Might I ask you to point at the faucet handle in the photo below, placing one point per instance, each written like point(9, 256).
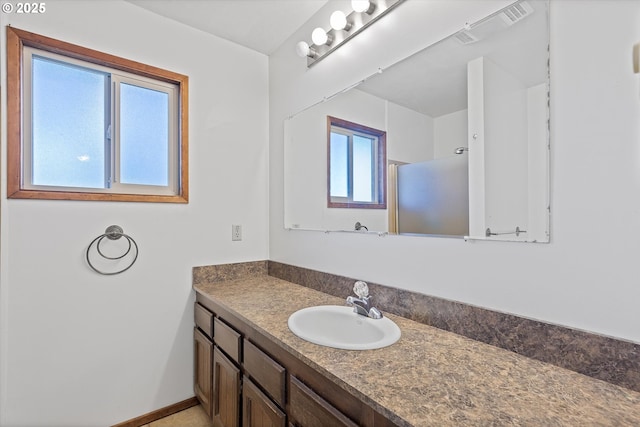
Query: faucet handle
point(361, 289)
point(374, 313)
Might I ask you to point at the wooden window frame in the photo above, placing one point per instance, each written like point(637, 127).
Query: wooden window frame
point(16, 40)
point(381, 203)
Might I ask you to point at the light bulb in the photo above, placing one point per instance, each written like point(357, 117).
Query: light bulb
point(319, 36)
point(302, 49)
point(338, 20)
point(360, 5)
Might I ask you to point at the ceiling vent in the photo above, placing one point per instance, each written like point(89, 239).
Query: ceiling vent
point(465, 37)
point(516, 13)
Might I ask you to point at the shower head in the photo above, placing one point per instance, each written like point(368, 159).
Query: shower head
point(461, 150)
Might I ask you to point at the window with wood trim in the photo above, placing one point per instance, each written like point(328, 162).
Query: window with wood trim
point(86, 125)
point(356, 171)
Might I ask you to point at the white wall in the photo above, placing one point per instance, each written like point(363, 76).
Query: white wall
point(504, 104)
point(409, 139)
point(450, 132)
point(80, 349)
point(409, 134)
point(587, 276)
point(307, 161)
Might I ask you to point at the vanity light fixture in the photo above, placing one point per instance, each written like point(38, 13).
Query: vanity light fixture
point(339, 21)
point(344, 26)
point(303, 49)
point(363, 6)
point(320, 37)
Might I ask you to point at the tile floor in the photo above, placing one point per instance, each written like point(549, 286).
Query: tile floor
point(192, 417)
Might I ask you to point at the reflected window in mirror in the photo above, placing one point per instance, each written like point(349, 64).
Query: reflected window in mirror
point(356, 169)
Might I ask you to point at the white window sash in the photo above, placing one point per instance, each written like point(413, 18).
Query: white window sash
point(112, 159)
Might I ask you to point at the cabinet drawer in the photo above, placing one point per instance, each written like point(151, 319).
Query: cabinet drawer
point(227, 339)
point(307, 409)
point(203, 319)
point(265, 371)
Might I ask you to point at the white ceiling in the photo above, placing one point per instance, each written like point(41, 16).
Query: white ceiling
point(261, 25)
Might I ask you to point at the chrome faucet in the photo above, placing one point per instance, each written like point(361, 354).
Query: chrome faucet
point(362, 304)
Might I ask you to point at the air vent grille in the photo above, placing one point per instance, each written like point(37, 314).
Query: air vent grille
point(516, 13)
point(465, 37)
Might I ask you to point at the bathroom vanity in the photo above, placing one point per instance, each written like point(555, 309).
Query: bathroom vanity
point(252, 370)
point(245, 377)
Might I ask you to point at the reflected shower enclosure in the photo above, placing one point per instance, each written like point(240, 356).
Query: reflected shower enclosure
point(433, 197)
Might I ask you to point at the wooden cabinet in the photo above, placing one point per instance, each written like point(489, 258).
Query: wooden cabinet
point(202, 379)
point(308, 409)
point(227, 339)
point(226, 391)
point(203, 319)
point(217, 373)
point(265, 371)
point(258, 410)
point(254, 382)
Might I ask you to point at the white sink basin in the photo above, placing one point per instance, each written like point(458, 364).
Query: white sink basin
point(339, 327)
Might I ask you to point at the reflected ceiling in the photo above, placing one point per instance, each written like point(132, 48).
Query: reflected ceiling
point(438, 75)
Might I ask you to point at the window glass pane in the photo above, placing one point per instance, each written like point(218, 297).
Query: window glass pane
point(339, 168)
point(68, 125)
point(144, 136)
point(363, 176)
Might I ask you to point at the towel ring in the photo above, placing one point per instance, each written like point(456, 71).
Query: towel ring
point(113, 232)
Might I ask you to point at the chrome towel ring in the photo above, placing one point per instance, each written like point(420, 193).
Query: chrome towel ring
point(113, 232)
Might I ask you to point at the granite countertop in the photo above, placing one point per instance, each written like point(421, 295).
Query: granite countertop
point(430, 376)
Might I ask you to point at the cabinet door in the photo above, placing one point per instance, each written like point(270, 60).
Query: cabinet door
point(202, 353)
point(307, 409)
point(226, 391)
point(257, 409)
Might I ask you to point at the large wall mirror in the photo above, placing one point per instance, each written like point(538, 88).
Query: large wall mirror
point(466, 123)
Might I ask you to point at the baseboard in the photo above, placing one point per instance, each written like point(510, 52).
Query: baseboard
point(159, 413)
